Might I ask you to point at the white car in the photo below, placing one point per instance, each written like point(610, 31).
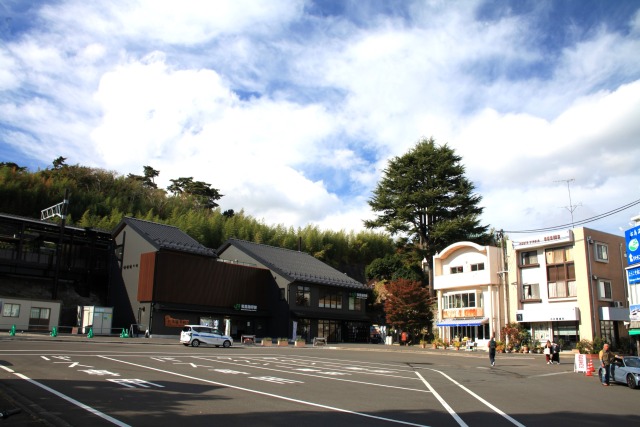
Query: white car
point(195, 335)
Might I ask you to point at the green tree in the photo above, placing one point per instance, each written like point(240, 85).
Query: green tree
point(424, 197)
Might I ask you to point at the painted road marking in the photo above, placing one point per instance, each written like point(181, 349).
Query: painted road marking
point(276, 380)
point(68, 399)
point(262, 393)
point(133, 383)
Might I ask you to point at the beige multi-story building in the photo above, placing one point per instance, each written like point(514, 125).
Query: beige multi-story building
point(569, 285)
point(468, 281)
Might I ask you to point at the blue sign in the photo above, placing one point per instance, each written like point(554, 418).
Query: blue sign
point(633, 275)
point(632, 237)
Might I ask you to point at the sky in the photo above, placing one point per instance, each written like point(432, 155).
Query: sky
point(293, 108)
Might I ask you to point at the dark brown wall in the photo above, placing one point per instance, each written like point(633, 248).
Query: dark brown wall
point(145, 279)
point(203, 281)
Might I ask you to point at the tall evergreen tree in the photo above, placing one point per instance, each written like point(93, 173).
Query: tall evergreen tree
point(424, 197)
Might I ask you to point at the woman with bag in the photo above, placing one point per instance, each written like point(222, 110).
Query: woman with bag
point(547, 352)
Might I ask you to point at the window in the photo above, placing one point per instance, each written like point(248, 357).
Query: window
point(456, 270)
point(461, 300)
point(529, 258)
point(330, 299)
point(303, 296)
point(531, 291)
point(477, 267)
point(604, 289)
point(40, 313)
point(561, 273)
point(602, 252)
point(355, 303)
point(11, 310)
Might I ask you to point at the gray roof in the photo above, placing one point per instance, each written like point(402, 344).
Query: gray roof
point(163, 236)
point(293, 265)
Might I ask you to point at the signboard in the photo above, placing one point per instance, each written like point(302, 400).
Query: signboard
point(246, 307)
point(580, 363)
point(633, 275)
point(543, 240)
point(632, 238)
point(452, 313)
point(634, 313)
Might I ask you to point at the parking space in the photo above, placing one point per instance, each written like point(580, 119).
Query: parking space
point(165, 385)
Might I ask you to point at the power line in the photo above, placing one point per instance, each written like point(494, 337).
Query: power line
point(585, 221)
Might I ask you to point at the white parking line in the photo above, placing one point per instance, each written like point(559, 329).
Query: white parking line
point(494, 408)
point(262, 393)
point(67, 398)
point(443, 402)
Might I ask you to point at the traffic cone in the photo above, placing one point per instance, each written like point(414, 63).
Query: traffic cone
point(90, 334)
point(590, 369)
point(12, 332)
point(54, 332)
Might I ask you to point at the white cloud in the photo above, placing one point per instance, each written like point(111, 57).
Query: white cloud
point(293, 116)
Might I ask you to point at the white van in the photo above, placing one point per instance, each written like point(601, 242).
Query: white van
point(195, 335)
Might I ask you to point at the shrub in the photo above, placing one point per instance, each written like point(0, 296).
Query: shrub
point(585, 347)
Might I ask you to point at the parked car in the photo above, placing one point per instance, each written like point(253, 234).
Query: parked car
point(195, 335)
point(625, 370)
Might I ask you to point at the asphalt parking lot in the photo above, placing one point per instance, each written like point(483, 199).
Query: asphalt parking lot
point(159, 382)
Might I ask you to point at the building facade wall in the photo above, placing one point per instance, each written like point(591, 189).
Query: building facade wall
point(465, 268)
point(559, 279)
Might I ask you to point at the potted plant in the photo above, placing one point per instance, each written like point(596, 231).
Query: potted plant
point(500, 348)
point(283, 342)
point(457, 345)
point(267, 341)
point(299, 342)
point(423, 343)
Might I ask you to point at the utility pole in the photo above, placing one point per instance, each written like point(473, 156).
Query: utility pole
point(571, 206)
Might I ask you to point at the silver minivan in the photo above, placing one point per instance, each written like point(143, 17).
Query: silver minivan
point(195, 335)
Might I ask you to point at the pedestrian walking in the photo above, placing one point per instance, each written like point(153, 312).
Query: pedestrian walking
point(547, 352)
point(492, 350)
point(555, 353)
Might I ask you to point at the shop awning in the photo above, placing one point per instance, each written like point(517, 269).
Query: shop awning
point(463, 322)
point(634, 331)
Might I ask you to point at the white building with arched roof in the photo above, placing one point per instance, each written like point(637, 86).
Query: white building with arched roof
point(470, 292)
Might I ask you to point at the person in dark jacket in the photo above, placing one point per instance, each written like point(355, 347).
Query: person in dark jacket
point(492, 350)
point(555, 353)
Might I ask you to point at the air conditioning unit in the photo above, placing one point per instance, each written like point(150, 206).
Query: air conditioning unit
point(618, 304)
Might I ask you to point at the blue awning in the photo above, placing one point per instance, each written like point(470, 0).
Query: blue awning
point(463, 322)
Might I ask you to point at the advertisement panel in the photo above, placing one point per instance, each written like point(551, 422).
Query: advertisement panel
point(632, 238)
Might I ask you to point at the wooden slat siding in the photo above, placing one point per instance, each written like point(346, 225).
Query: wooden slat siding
point(190, 279)
point(145, 278)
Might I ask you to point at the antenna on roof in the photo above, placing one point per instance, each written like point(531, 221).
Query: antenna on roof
point(571, 207)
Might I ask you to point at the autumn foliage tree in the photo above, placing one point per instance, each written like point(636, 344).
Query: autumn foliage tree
point(408, 306)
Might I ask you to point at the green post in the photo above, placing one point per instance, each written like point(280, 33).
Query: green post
point(12, 332)
point(90, 334)
point(54, 332)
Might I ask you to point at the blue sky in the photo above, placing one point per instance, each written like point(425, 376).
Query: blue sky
point(292, 108)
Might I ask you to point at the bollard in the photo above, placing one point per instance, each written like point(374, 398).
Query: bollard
point(12, 332)
point(90, 334)
point(54, 332)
